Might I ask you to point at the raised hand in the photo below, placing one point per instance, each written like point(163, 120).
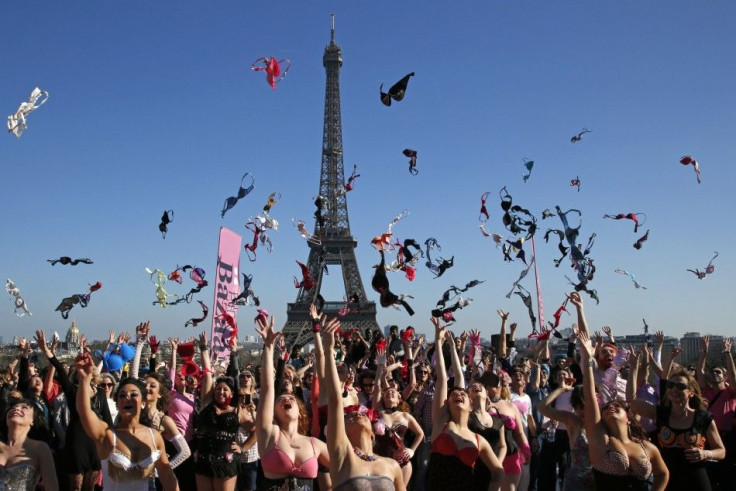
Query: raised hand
point(576, 299)
point(111, 337)
point(54, 344)
point(598, 337)
point(25, 346)
point(203, 340)
point(675, 352)
point(463, 337)
point(141, 331)
point(266, 331)
point(503, 315)
point(174, 343)
point(659, 336)
point(607, 330)
point(705, 342)
point(83, 343)
point(329, 331)
point(154, 344)
point(513, 327)
point(586, 349)
point(727, 345)
point(41, 340)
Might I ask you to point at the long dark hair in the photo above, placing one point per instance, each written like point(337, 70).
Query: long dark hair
point(39, 428)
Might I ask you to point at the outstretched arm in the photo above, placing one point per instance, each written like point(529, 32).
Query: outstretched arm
point(577, 301)
point(457, 369)
point(264, 415)
point(502, 339)
point(440, 386)
point(337, 441)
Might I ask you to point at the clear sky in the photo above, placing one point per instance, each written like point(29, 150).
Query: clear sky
point(153, 106)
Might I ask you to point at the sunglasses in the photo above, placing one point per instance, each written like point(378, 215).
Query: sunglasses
point(678, 385)
point(106, 385)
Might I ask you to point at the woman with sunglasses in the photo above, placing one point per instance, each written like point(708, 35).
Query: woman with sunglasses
point(24, 460)
point(130, 451)
point(107, 386)
point(684, 430)
point(620, 454)
point(289, 458)
point(455, 448)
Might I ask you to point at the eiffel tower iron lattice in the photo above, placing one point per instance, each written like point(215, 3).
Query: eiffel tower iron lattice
point(337, 243)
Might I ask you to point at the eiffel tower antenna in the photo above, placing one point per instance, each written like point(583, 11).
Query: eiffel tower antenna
point(337, 243)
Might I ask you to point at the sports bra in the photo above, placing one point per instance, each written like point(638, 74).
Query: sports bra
point(276, 462)
point(617, 464)
point(122, 461)
point(444, 444)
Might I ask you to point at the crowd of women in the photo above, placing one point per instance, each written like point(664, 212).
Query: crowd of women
point(364, 411)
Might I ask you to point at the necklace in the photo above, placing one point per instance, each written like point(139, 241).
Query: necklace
point(390, 410)
point(495, 399)
point(364, 456)
point(291, 443)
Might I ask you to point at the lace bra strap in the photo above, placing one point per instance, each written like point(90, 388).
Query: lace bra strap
point(153, 440)
point(114, 440)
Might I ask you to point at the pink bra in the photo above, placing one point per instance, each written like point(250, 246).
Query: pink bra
point(277, 463)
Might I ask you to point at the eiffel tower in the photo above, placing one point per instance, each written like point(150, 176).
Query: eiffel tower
point(337, 243)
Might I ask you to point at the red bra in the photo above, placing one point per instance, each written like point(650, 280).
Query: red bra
point(444, 444)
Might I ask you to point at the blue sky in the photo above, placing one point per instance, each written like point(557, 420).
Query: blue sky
point(153, 106)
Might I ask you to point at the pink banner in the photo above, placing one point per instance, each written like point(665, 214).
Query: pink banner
point(540, 305)
point(227, 286)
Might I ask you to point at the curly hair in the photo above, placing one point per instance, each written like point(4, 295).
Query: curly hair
point(697, 401)
point(39, 429)
point(303, 424)
point(162, 404)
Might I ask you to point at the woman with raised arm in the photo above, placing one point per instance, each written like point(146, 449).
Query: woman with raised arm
point(216, 430)
point(129, 451)
point(158, 399)
point(289, 459)
point(396, 423)
point(80, 459)
point(579, 475)
point(23, 461)
point(350, 436)
point(490, 428)
point(620, 454)
point(455, 448)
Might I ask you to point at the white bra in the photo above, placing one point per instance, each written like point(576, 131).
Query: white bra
point(122, 461)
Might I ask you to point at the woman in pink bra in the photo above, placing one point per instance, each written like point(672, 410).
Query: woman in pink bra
point(455, 447)
point(289, 458)
point(350, 436)
point(620, 454)
point(131, 451)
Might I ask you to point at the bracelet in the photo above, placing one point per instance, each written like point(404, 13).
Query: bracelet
point(315, 325)
point(589, 363)
point(410, 362)
point(203, 347)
